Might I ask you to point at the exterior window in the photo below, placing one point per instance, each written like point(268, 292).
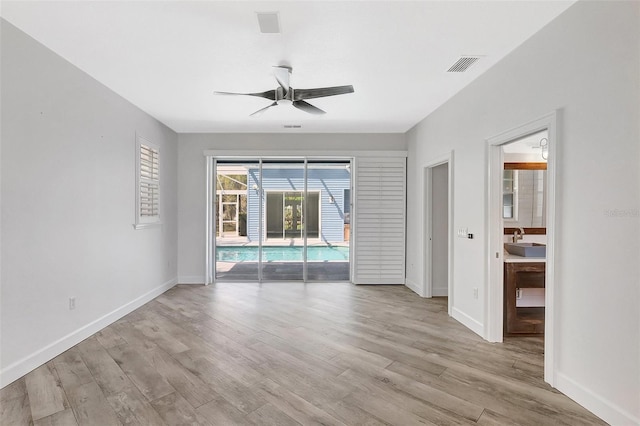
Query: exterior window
point(148, 184)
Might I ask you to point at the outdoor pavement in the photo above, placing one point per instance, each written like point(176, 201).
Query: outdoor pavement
point(282, 271)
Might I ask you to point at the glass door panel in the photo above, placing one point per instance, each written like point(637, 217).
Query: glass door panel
point(274, 215)
point(293, 214)
point(327, 220)
point(283, 249)
point(312, 218)
point(236, 249)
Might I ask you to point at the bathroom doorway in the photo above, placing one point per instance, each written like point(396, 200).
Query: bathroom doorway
point(503, 210)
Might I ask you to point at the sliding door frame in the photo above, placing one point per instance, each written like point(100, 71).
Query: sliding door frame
point(212, 158)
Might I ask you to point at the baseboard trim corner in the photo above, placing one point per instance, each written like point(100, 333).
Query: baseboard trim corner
point(597, 404)
point(23, 366)
point(467, 321)
point(415, 287)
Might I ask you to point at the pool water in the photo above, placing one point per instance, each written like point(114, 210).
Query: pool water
point(280, 254)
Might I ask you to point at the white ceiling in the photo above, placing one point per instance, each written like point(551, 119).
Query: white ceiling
point(169, 57)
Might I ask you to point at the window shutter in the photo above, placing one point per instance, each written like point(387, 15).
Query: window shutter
point(379, 232)
point(149, 182)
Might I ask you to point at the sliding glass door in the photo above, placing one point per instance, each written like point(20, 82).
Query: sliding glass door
point(327, 235)
point(284, 216)
point(283, 186)
point(236, 258)
point(281, 219)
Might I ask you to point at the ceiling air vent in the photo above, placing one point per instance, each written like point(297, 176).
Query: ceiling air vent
point(463, 64)
point(268, 22)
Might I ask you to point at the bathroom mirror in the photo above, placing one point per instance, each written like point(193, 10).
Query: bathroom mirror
point(524, 195)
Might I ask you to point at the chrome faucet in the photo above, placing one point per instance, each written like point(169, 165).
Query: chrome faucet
point(518, 235)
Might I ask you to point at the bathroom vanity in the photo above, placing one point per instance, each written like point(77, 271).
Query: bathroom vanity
point(522, 273)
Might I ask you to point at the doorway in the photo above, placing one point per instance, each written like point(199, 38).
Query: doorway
point(438, 243)
point(502, 209)
point(439, 230)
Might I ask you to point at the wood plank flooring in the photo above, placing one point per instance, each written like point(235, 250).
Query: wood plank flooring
point(290, 354)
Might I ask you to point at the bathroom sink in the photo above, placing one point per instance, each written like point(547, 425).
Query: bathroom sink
point(526, 249)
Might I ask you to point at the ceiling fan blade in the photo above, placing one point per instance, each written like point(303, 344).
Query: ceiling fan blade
point(283, 75)
point(261, 110)
point(307, 107)
point(269, 94)
point(321, 92)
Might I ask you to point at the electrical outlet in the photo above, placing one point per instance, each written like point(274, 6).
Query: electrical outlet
point(475, 292)
point(72, 303)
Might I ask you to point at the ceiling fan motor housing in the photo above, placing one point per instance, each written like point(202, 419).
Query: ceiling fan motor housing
point(282, 97)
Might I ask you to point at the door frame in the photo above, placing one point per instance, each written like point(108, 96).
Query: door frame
point(495, 236)
point(427, 221)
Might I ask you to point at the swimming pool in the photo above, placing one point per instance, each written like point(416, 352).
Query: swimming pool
point(280, 253)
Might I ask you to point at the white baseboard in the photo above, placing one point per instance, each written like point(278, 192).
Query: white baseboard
point(191, 279)
point(19, 368)
point(415, 287)
point(468, 322)
point(381, 281)
point(440, 292)
point(598, 405)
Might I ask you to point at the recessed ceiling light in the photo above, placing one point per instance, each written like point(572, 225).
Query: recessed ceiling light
point(269, 22)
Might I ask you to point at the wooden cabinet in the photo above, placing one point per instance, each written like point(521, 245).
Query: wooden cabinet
point(521, 320)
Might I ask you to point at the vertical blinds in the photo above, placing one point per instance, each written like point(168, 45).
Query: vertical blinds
point(149, 181)
point(380, 209)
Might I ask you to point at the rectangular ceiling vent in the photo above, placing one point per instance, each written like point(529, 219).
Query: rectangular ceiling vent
point(268, 22)
point(463, 63)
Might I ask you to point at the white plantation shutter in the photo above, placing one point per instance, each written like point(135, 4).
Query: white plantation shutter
point(148, 194)
point(379, 231)
point(149, 181)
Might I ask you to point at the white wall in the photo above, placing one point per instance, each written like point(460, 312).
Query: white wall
point(68, 206)
point(192, 169)
point(586, 64)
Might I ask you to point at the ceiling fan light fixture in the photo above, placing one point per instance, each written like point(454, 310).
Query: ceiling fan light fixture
point(268, 22)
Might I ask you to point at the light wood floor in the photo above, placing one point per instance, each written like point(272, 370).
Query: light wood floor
point(286, 354)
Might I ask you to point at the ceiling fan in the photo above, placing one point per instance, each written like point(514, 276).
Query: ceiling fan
point(287, 95)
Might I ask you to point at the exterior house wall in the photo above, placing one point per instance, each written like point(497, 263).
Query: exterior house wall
point(329, 182)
